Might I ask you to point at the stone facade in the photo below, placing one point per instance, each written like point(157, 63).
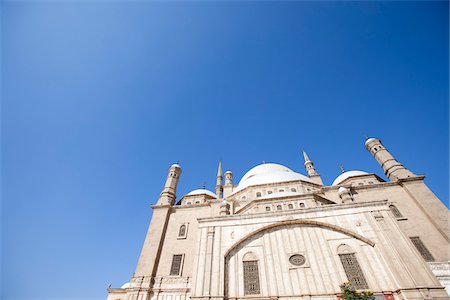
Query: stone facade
point(278, 234)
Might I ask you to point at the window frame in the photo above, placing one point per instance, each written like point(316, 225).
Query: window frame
point(180, 270)
point(246, 264)
point(396, 212)
point(350, 269)
point(184, 236)
point(422, 249)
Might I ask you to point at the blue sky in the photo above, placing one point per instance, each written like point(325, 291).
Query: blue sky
point(100, 98)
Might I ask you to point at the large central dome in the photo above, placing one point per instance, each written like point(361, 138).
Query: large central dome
point(269, 173)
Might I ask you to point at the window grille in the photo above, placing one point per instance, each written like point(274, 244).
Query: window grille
point(251, 277)
point(279, 207)
point(182, 231)
point(353, 271)
point(293, 190)
point(290, 206)
point(258, 194)
point(395, 211)
point(422, 249)
point(267, 208)
point(175, 269)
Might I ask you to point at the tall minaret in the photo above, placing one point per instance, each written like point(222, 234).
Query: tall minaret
point(168, 194)
point(392, 168)
point(143, 277)
point(219, 186)
point(309, 166)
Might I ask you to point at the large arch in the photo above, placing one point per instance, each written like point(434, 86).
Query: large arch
point(311, 223)
point(300, 222)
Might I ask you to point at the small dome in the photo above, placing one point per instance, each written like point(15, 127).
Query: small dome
point(348, 174)
point(175, 166)
point(125, 285)
point(269, 173)
point(201, 192)
point(369, 140)
point(342, 190)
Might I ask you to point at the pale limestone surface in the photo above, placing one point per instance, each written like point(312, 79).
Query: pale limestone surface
point(271, 221)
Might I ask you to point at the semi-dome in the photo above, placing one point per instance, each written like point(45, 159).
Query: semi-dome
point(269, 173)
point(348, 174)
point(201, 192)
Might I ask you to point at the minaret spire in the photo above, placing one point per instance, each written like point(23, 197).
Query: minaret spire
point(305, 156)
point(219, 181)
point(309, 166)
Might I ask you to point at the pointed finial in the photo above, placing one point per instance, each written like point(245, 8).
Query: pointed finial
point(219, 169)
point(366, 137)
point(342, 168)
point(204, 185)
point(305, 156)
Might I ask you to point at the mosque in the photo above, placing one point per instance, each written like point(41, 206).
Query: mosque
point(278, 234)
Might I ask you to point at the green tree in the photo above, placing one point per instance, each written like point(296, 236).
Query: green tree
point(349, 293)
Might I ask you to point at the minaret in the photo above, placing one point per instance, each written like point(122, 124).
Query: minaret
point(168, 194)
point(219, 187)
point(228, 188)
point(228, 178)
point(143, 278)
point(309, 166)
point(392, 168)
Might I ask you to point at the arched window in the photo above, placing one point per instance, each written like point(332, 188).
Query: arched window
point(280, 191)
point(293, 190)
point(302, 204)
point(395, 212)
point(290, 206)
point(251, 274)
point(267, 208)
point(182, 231)
point(279, 207)
point(351, 267)
point(269, 192)
point(258, 194)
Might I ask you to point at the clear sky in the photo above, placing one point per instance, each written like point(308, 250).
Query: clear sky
point(100, 98)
